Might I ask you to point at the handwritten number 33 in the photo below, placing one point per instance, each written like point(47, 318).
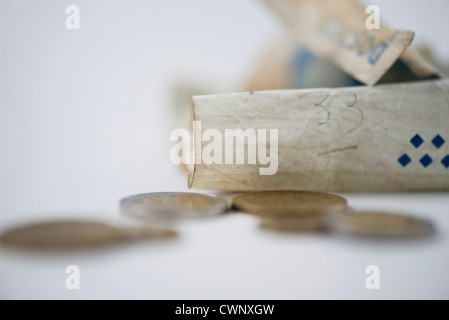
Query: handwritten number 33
point(352, 101)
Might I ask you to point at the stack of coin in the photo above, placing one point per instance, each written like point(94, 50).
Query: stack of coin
point(317, 211)
point(290, 210)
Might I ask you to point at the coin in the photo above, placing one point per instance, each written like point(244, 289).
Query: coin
point(289, 203)
point(75, 233)
point(303, 224)
point(379, 224)
point(173, 205)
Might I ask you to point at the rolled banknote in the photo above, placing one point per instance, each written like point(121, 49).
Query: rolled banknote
point(384, 138)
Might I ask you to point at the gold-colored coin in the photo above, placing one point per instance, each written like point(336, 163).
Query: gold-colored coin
point(379, 224)
point(304, 224)
point(75, 233)
point(289, 203)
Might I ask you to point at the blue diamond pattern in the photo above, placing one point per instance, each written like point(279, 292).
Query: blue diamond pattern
point(405, 160)
point(438, 141)
point(445, 161)
point(426, 161)
point(417, 141)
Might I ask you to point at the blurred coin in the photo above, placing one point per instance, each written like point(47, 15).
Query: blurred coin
point(378, 224)
point(289, 203)
point(76, 233)
point(303, 224)
point(173, 205)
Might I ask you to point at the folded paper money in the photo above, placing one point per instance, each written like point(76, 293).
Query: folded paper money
point(336, 31)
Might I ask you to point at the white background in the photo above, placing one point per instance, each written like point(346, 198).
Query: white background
point(85, 120)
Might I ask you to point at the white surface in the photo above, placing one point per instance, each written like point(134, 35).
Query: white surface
point(85, 121)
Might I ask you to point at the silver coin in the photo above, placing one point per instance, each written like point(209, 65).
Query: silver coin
point(379, 224)
point(173, 205)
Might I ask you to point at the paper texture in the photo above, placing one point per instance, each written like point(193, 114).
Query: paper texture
point(347, 139)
